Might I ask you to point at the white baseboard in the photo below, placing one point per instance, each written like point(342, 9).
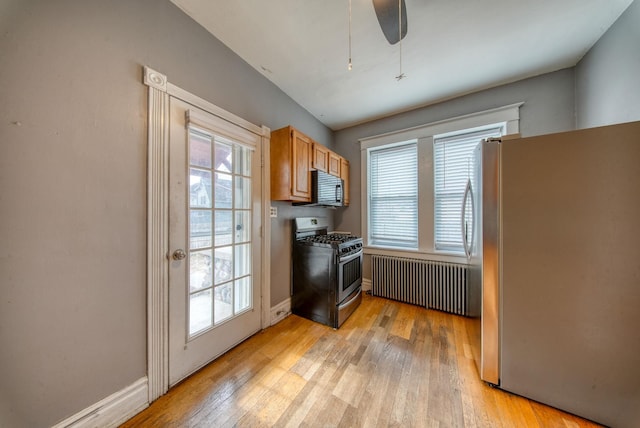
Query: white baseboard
point(280, 311)
point(366, 284)
point(113, 410)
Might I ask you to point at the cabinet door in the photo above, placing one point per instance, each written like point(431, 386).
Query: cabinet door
point(301, 168)
point(334, 164)
point(320, 157)
point(344, 174)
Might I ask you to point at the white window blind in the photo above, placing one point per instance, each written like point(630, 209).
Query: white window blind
point(453, 167)
point(393, 196)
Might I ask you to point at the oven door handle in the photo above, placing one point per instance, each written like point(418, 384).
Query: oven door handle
point(350, 257)
point(345, 304)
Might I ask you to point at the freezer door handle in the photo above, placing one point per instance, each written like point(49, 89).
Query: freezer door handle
point(464, 227)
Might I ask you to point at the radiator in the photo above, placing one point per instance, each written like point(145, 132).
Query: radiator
point(435, 285)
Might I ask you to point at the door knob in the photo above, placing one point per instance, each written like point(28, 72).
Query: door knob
point(179, 254)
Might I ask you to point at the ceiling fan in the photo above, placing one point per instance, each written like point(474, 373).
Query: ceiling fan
point(390, 13)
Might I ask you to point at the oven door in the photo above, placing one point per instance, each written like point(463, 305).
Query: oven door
point(349, 275)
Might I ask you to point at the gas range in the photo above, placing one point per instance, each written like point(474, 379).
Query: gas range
point(327, 272)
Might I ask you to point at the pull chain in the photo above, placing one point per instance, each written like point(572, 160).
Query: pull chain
point(400, 76)
point(350, 66)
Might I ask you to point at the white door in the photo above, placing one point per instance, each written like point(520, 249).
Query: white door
point(214, 237)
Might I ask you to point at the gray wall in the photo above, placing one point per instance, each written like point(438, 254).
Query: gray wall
point(548, 107)
point(608, 77)
point(73, 188)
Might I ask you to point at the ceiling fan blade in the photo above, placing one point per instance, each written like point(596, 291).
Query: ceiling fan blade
point(387, 13)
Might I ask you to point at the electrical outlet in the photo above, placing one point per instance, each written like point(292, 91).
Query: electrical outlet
point(274, 212)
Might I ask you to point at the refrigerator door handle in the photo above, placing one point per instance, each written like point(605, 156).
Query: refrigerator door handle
point(466, 243)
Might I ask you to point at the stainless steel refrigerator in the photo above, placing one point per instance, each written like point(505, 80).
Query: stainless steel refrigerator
point(556, 254)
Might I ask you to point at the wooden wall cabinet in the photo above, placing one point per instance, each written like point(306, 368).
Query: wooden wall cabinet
point(326, 160)
point(320, 158)
point(290, 165)
point(344, 175)
point(293, 157)
point(334, 164)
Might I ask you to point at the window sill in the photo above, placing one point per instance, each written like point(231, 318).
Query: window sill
point(416, 254)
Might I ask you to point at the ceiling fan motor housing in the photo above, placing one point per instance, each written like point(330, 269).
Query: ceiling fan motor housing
point(388, 12)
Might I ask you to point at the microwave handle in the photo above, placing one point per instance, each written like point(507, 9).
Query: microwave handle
point(338, 193)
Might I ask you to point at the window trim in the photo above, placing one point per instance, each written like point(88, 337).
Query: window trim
point(424, 134)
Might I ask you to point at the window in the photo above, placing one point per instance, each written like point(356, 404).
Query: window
point(415, 182)
point(453, 165)
point(393, 196)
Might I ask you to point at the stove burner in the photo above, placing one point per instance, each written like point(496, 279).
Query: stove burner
point(330, 239)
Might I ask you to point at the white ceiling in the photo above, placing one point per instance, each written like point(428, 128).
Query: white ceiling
point(452, 47)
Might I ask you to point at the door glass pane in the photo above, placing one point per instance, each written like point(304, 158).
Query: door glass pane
point(199, 270)
point(242, 161)
point(223, 193)
point(242, 294)
point(200, 188)
point(200, 150)
point(242, 226)
point(243, 193)
point(223, 269)
point(224, 159)
point(200, 229)
point(224, 227)
point(200, 316)
point(223, 308)
point(243, 260)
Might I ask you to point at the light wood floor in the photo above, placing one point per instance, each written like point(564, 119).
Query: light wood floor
point(390, 364)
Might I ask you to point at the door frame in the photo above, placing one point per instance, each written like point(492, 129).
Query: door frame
point(159, 92)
